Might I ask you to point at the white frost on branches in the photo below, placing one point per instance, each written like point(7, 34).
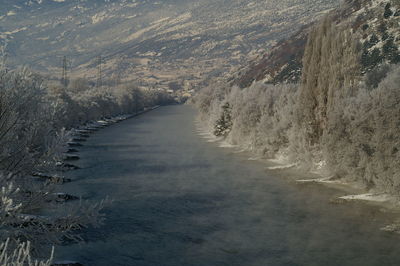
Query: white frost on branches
point(336, 121)
point(20, 255)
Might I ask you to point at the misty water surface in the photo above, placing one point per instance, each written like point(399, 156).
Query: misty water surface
point(179, 200)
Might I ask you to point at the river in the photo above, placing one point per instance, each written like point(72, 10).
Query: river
point(179, 200)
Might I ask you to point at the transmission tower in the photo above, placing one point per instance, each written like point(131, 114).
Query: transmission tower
point(64, 78)
point(3, 56)
point(99, 71)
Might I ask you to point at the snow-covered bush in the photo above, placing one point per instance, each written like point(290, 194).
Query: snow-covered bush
point(25, 123)
point(362, 139)
point(20, 200)
point(21, 255)
point(81, 102)
point(209, 102)
point(375, 76)
point(130, 99)
point(259, 118)
point(275, 129)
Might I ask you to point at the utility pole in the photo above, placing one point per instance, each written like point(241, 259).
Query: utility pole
point(4, 57)
point(64, 78)
point(99, 72)
point(4, 63)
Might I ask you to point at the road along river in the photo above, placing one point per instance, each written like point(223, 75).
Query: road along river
point(179, 200)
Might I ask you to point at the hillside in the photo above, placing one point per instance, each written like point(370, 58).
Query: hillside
point(155, 43)
point(376, 23)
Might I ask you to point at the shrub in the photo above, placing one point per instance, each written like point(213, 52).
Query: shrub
point(370, 60)
point(388, 12)
point(375, 76)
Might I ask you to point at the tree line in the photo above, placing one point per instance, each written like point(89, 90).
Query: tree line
point(340, 119)
point(36, 119)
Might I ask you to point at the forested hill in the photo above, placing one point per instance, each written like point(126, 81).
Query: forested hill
point(325, 99)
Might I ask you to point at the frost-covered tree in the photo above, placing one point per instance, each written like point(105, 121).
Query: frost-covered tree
point(363, 137)
point(130, 99)
point(24, 120)
point(224, 124)
point(21, 255)
point(34, 123)
point(258, 118)
point(336, 119)
point(20, 201)
point(331, 70)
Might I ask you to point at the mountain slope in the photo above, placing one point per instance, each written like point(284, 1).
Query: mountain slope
point(152, 42)
point(375, 23)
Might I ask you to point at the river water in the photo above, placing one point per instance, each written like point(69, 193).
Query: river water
point(179, 200)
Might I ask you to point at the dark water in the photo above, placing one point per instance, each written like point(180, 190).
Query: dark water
point(179, 200)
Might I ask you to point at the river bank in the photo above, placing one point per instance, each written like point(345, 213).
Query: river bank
point(347, 191)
